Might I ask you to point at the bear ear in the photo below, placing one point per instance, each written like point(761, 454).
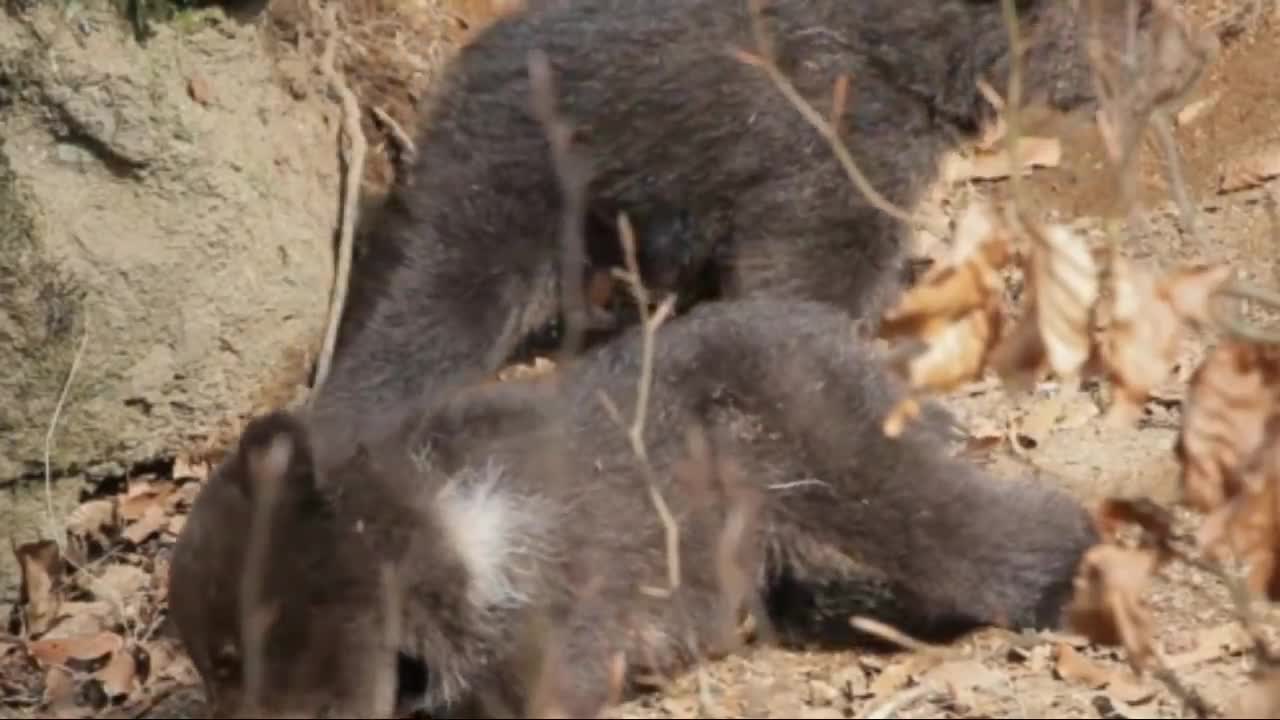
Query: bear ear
point(274, 458)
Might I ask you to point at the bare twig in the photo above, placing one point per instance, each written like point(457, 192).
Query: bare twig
point(1239, 289)
point(1173, 173)
point(573, 172)
point(1012, 114)
point(897, 637)
point(351, 188)
point(650, 323)
point(899, 702)
point(408, 149)
point(54, 526)
point(764, 61)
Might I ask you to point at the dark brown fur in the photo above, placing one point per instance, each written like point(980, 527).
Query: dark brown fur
point(837, 520)
point(460, 264)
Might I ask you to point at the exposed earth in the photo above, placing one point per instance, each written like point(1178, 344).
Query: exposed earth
point(1231, 119)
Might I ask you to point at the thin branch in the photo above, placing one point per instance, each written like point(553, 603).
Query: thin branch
point(573, 171)
point(650, 323)
point(764, 60)
point(351, 187)
point(54, 525)
point(1012, 114)
point(1239, 289)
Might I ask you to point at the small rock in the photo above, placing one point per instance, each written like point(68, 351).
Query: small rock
point(199, 90)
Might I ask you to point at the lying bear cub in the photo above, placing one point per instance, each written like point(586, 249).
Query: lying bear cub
point(435, 567)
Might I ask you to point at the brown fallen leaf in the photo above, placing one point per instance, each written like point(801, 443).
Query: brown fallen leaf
point(1107, 605)
point(57, 651)
point(968, 281)
point(1232, 393)
point(954, 355)
point(94, 519)
point(1251, 171)
point(60, 691)
point(121, 676)
point(1148, 317)
point(80, 617)
point(142, 496)
point(1120, 684)
point(169, 661)
point(152, 522)
point(1064, 283)
point(39, 591)
point(1247, 527)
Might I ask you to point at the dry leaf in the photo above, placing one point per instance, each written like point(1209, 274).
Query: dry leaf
point(1248, 526)
point(1148, 318)
point(1076, 668)
point(1107, 606)
point(119, 676)
point(955, 355)
point(60, 692)
point(995, 163)
point(93, 519)
point(57, 651)
point(1231, 396)
point(40, 565)
point(1064, 280)
point(152, 521)
point(968, 282)
point(168, 660)
point(1251, 171)
point(142, 496)
point(116, 579)
point(78, 617)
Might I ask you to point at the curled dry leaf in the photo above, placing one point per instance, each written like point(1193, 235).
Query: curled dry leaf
point(1107, 605)
point(1247, 528)
point(1148, 316)
point(1064, 284)
point(966, 282)
point(1232, 394)
point(953, 313)
point(40, 565)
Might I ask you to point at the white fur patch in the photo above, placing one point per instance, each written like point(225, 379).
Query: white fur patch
point(501, 534)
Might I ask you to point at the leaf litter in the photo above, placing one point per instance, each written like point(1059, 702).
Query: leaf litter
point(86, 624)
